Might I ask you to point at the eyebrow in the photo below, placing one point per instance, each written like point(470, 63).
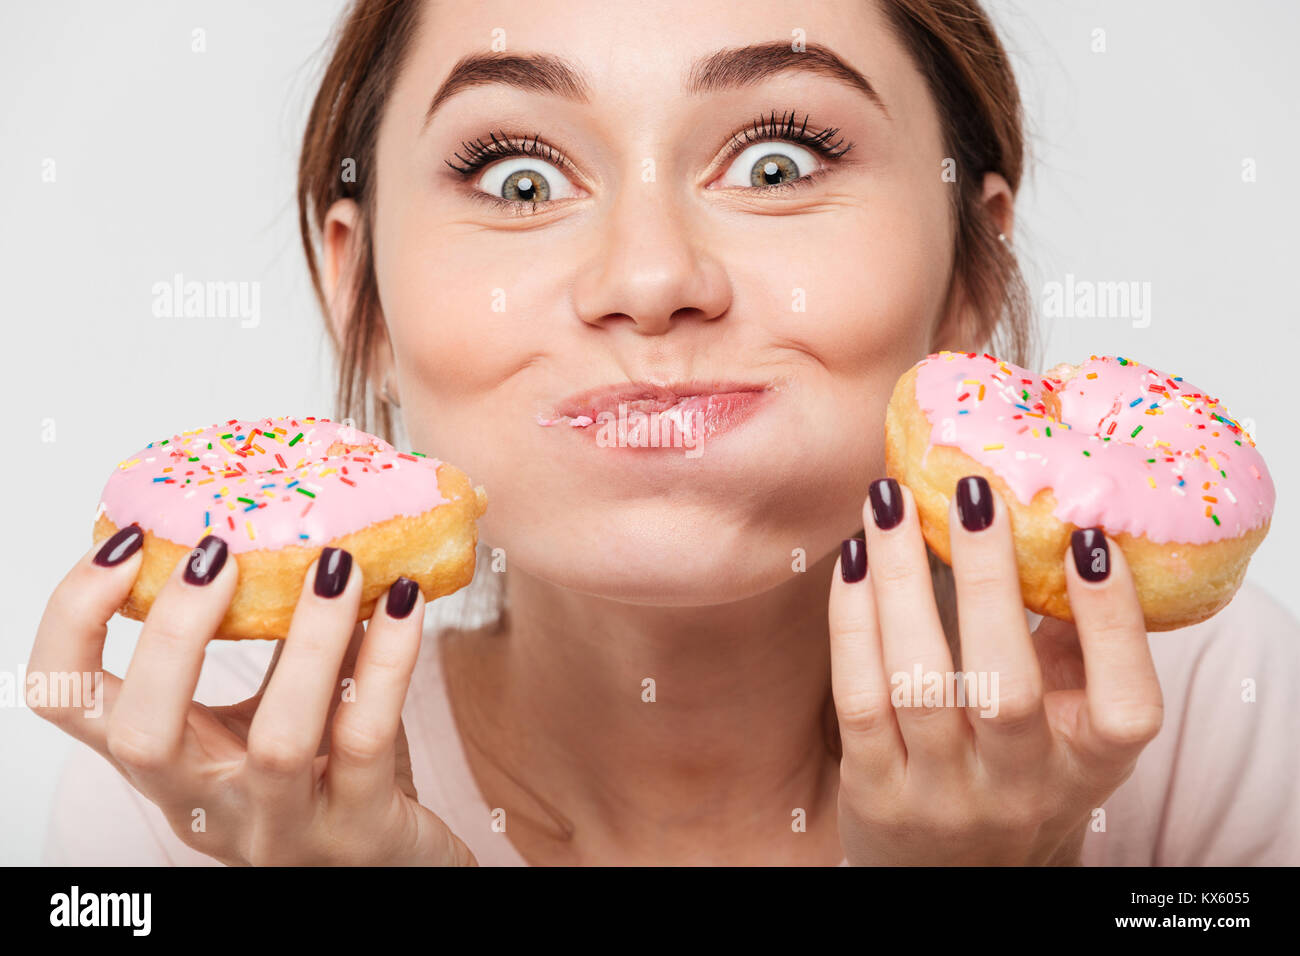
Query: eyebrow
point(722, 70)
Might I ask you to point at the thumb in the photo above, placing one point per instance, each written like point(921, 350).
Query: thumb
point(1060, 656)
point(404, 776)
point(347, 667)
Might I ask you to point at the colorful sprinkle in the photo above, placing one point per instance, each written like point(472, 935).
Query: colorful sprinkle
point(250, 469)
point(1009, 425)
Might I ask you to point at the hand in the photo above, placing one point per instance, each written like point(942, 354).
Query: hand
point(943, 784)
point(292, 775)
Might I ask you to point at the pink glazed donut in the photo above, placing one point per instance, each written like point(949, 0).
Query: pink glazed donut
point(277, 491)
point(1152, 460)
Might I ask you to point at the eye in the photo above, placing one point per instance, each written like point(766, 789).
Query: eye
point(770, 164)
point(526, 179)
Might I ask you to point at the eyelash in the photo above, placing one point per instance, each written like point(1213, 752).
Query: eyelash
point(480, 154)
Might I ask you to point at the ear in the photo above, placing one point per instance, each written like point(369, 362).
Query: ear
point(957, 321)
point(339, 235)
point(999, 203)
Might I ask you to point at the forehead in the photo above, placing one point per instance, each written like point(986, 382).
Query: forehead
point(634, 55)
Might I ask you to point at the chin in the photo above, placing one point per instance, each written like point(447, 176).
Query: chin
point(671, 583)
point(659, 554)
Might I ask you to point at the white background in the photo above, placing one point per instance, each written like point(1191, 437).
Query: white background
point(173, 161)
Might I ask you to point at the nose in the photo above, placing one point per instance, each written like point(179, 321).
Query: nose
point(651, 268)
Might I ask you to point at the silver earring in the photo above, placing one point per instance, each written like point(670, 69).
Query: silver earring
point(1002, 237)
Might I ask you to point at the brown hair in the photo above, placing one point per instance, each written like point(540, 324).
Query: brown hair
point(370, 44)
point(970, 78)
point(952, 42)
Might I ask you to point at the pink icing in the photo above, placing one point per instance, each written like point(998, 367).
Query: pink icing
point(190, 485)
point(1115, 417)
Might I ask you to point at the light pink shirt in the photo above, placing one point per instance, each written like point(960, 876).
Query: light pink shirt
point(1219, 785)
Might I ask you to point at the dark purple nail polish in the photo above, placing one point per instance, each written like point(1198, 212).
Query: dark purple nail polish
point(121, 546)
point(401, 597)
point(332, 570)
point(1091, 554)
point(886, 503)
point(974, 503)
point(206, 560)
point(853, 560)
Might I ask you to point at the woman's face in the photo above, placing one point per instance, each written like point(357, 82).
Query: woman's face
point(655, 259)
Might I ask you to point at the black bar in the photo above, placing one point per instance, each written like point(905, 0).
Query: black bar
point(935, 906)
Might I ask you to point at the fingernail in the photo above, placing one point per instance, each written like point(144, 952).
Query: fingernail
point(974, 503)
point(853, 560)
point(206, 560)
point(401, 597)
point(332, 570)
point(121, 546)
point(886, 503)
point(1091, 554)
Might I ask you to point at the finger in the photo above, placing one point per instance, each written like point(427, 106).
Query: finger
point(1059, 656)
point(248, 706)
point(147, 727)
point(344, 683)
point(911, 633)
point(286, 730)
point(1124, 704)
point(403, 772)
point(869, 731)
point(270, 669)
point(1000, 674)
point(363, 740)
point(68, 652)
point(242, 710)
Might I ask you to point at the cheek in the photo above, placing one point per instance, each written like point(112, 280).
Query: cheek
point(860, 287)
point(457, 303)
point(461, 325)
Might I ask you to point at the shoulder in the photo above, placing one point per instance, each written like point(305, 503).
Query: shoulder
point(1253, 628)
point(439, 716)
point(98, 818)
point(1220, 783)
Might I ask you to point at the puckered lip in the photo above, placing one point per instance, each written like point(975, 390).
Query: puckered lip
point(645, 396)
